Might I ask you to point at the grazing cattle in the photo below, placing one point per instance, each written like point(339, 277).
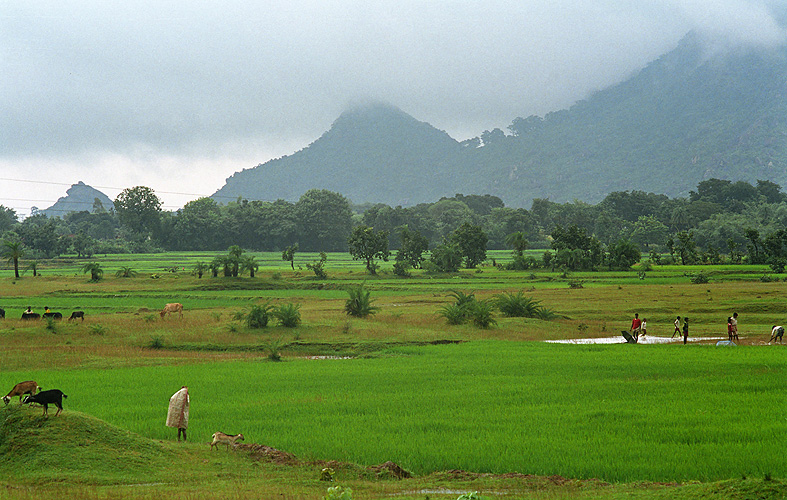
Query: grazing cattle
point(46, 398)
point(172, 308)
point(77, 314)
point(53, 315)
point(29, 316)
point(227, 439)
point(29, 387)
point(2, 313)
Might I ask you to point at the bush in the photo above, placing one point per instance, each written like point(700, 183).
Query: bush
point(401, 268)
point(360, 303)
point(339, 493)
point(273, 347)
point(259, 315)
point(480, 312)
point(516, 305)
point(319, 267)
point(700, 278)
point(454, 314)
point(288, 315)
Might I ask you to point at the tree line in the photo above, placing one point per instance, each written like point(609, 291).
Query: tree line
point(720, 221)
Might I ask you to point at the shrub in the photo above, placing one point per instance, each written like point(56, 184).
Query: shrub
point(50, 324)
point(156, 342)
point(258, 315)
point(516, 305)
point(480, 312)
point(461, 298)
point(359, 304)
point(125, 272)
point(273, 347)
point(98, 329)
point(454, 314)
point(700, 278)
point(401, 268)
point(319, 267)
point(288, 315)
point(339, 493)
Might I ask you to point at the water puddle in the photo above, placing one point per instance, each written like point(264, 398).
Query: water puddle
point(649, 339)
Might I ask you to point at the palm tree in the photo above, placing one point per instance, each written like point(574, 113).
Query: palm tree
point(33, 266)
point(94, 268)
point(200, 268)
point(518, 242)
point(249, 263)
point(13, 250)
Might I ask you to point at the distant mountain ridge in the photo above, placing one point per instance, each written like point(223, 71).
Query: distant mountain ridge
point(684, 118)
point(79, 197)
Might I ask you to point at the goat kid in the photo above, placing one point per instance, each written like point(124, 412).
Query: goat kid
point(221, 438)
point(46, 398)
point(29, 387)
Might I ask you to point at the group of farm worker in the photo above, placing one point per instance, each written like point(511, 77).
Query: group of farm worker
point(639, 328)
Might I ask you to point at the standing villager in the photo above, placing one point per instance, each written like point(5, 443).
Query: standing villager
point(178, 413)
point(636, 326)
point(685, 330)
point(677, 328)
point(729, 329)
point(734, 326)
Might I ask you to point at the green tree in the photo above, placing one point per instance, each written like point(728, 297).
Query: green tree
point(8, 219)
point(575, 248)
point(446, 258)
point(139, 210)
point(649, 230)
point(288, 254)
point(686, 247)
point(623, 254)
point(83, 245)
point(412, 248)
point(198, 226)
point(367, 244)
point(324, 220)
point(471, 241)
point(13, 250)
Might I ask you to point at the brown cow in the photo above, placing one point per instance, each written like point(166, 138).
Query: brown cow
point(172, 308)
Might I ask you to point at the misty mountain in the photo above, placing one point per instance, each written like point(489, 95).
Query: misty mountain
point(79, 197)
point(691, 115)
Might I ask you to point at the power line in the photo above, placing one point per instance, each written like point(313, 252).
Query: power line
point(96, 187)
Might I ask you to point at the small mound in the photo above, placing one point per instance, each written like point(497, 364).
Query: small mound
point(74, 446)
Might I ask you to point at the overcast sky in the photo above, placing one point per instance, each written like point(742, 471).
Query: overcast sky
point(179, 95)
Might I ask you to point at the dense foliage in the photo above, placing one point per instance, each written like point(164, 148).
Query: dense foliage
point(720, 221)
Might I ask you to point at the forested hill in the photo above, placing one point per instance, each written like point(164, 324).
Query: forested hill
point(691, 115)
point(373, 153)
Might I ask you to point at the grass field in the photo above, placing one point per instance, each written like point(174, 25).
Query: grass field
point(499, 402)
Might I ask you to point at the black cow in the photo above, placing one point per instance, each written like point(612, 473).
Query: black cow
point(46, 398)
point(53, 315)
point(28, 316)
point(77, 314)
point(2, 313)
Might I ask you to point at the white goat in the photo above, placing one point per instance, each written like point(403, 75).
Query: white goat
point(221, 438)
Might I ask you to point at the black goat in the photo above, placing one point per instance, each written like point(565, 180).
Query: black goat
point(46, 398)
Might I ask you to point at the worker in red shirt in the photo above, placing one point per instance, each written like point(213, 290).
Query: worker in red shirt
point(636, 326)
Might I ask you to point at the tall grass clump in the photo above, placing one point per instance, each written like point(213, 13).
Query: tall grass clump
point(359, 304)
point(288, 315)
